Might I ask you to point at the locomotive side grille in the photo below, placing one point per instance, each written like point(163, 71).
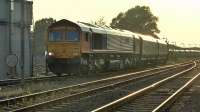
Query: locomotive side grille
point(119, 44)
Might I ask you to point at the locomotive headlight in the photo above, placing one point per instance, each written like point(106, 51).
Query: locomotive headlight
point(50, 54)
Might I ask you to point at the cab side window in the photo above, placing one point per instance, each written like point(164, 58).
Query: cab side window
point(87, 37)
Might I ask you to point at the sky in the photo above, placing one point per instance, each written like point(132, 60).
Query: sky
point(179, 20)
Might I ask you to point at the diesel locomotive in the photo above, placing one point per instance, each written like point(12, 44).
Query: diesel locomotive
point(78, 47)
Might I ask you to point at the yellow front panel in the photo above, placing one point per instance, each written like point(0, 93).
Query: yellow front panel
point(64, 49)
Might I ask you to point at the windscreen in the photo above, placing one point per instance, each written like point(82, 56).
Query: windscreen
point(55, 36)
point(64, 36)
point(72, 36)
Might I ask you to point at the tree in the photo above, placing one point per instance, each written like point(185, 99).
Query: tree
point(99, 22)
point(138, 19)
point(39, 34)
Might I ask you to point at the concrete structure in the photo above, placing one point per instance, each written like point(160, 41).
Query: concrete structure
point(4, 33)
point(15, 23)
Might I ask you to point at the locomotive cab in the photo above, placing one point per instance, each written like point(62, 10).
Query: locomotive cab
point(63, 47)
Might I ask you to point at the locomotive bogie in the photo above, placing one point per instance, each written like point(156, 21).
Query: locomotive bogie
point(59, 66)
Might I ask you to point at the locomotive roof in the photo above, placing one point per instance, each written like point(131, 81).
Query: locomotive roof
point(184, 50)
point(90, 27)
point(87, 27)
point(148, 38)
point(62, 22)
point(162, 41)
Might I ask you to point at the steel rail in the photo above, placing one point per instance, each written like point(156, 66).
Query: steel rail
point(88, 92)
point(14, 99)
point(169, 101)
point(18, 80)
point(117, 103)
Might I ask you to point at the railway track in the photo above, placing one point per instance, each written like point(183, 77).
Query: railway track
point(157, 97)
point(15, 87)
point(42, 99)
point(28, 80)
point(17, 81)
